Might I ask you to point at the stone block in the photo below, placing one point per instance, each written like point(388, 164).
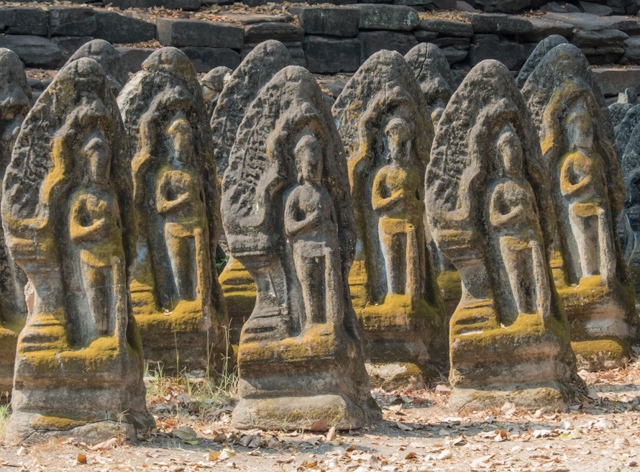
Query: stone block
point(446, 27)
point(274, 30)
point(179, 32)
point(255, 18)
point(374, 41)
point(450, 5)
point(503, 6)
point(328, 21)
point(464, 6)
point(454, 54)
point(499, 23)
point(598, 56)
point(425, 36)
point(440, 42)
point(632, 50)
point(588, 22)
point(204, 59)
point(34, 51)
point(22, 20)
point(326, 55)
point(387, 17)
point(70, 44)
point(596, 8)
point(132, 58)
point(607, 37)
point(543, 28)
point(298, 57)
point(117, 28)
point(490, 46)
point(616, 80)
point(68, 21)
point(170, 4)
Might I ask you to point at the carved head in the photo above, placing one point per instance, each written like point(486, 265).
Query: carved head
point(579, 126)
point(180, 137)
point(509, 150)
point(398, 137)
point(308, 154)
point(95, 152)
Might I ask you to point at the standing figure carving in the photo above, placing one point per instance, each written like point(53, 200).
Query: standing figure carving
point(591, 274)
point(386, 127)
point(175, 292)
point(109, 58)
point(15, 101)
point(491, 214)
point(70, 225)
point(288, 218)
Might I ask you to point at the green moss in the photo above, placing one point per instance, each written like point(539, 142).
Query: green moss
point(186, 317)
point(451, 285)
point(57, 422)
point(609, 347)
point(399, 313)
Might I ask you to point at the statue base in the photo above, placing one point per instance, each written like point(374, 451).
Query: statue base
point(400, 375)
point(292, 383)
point(552, 396)
point(239, 291)
point(8, 344)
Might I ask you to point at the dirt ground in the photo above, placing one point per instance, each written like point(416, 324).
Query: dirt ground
point(418, 433)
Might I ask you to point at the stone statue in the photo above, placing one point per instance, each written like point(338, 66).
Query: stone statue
point(69, 223)
point(491, 213)
point(212, 86)
point(432, 71)
point(109, 58)
point(240, 89)
point(591, 274)
point(15, 102)
point(385, 124)
point(288, 218)
point(175, 292)
point(541, 50)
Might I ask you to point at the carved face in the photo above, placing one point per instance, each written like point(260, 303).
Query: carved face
point(308, 154)
point(509, 148)
point(579, 126)
point(180, 137)
point(398, 137)
point(96, 153)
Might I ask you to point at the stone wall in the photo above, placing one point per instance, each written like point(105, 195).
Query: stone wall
point(324, 39)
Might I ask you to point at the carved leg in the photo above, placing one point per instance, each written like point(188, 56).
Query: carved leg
point(333, 288)
point(311, 274)
point(393, 245)
point(518, 265)
point(587, 240)
point(607, 254)
point(543, 291)
point(414, 263)
point(97, 285)
point(182, 259)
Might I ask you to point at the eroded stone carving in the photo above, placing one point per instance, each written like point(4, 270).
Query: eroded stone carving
point(69, 223)
point(175, 292)
point(591, 274)
point(109, 58)
point(490, 212)
point(15, 101)
point(240, 89)
point(617, 110)
point(541, 50)
point(288, 218)
point(385, 125)
point(212, 86)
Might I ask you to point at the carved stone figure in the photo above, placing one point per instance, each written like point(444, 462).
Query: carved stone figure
point(109, 58)
point(69, 223)
point(491, 213)
point(175, 292)
point(15, 102)
point(617, 110)
point(212, 86)
point(591, 274)
point(384, 122)
point(541, 50)
point(288, 218)
point(240, 89)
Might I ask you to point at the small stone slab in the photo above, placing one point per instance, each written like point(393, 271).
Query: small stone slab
point(132, 58)
point(632, 49)
point(543, 28)
point(279, 31)
point(387, 17)
point(374, 41)
point(455, 55)
point(118, 28)
point(179, 32)
point(342, 22)
point(490, 46)
point(24, 20)
point(169, 4)
point(600, 38)
point(72, 21)
point(596, 8)
point(327, 55)
point(496, 23)
point(204, 59)
point(614, 80)
point(446, 27)
point(34, 51)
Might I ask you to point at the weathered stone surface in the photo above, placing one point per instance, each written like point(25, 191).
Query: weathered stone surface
point(240, 89)
point(70, 44)
point(591, 274)
point(212, 85)
point(273, 30)
point(503, 6)
point(180, 32)
point(588, 22)
point(374, 41)
point(490, 211)
point(442, 42)
point(109, 58)
point(536, 56)
point(328, 21)
point(117, 28)
point(499, 23)
point(69, 223)
point(177, 202)
point(327, 55)
point(613, 81)
point(71, 21)
point(595, 8)
point(385, 125)
point(34, 51)
point(387, 17)
point(204, 59)
point(490, 46)
point(454, 55)
point(132, 58)
point(447, 27)
point(169, 4)
point(605, 37)
point(626, 126)
point(288, 218)
point(632, 49)
point(425, 36)
point(542, 28)
point(23, 20)
point(617, 111)
point(15, 101)
point(254, 18)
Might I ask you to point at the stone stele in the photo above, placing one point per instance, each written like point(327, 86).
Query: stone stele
point(109, 58)
point(385, 125)
point(618, 109)
point(15, 102)
point(591, 274)
point(488, 195)
point(288, 218)
point(541, 50)
point(212, 86)
point(240, 89)
point(175, 292)
point(69, 223)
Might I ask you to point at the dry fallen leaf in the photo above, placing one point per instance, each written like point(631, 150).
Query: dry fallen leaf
point(108, 444)
point(331, 435)
point(320, 426)
point(186, 433)
point(82, 459)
